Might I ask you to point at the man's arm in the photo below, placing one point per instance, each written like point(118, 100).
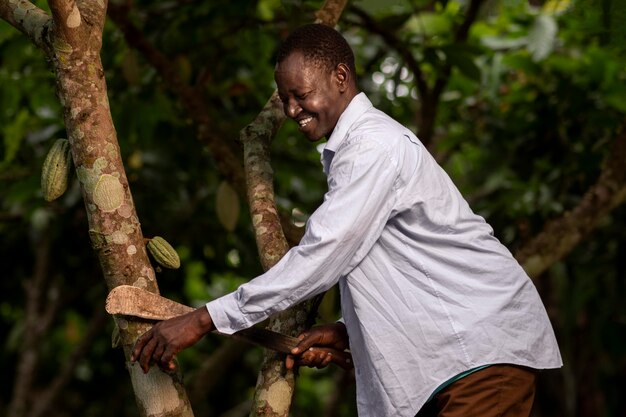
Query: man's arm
point(360, 200)
point(160, 344)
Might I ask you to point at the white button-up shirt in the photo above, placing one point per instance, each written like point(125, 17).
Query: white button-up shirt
point(427, 291)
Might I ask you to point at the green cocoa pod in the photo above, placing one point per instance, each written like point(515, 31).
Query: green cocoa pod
point(55, 173)
point(163, 253)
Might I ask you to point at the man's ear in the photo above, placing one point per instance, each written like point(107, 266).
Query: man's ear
point(343, 77)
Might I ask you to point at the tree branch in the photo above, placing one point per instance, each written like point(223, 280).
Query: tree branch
point(561, 235)
point(470, 17)
point(256, 138)
point(66, 16)
point(28, 19)
point(330, 12)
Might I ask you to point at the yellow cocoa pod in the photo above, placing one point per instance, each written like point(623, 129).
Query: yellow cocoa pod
point(163, 253)
point(55, 173)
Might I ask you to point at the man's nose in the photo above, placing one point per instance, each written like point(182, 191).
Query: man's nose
point(292, 108)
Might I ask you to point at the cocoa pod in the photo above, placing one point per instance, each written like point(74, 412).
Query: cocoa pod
point(55, 173)
point(163, 253)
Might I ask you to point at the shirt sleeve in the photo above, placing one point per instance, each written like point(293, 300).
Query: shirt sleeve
point(362, 193)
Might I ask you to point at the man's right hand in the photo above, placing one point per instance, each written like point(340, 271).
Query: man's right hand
point(165, 339)
point(321, 345)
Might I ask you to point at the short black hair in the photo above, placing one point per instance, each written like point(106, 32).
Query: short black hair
point(319, 43)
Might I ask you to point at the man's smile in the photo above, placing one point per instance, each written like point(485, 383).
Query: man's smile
point(303, 122)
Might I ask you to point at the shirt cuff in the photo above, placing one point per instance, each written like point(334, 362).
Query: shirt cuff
point(226, 315)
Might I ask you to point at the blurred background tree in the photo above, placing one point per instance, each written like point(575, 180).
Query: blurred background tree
point(523, 103)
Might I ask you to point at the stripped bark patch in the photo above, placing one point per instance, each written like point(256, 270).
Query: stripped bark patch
point(108, 194)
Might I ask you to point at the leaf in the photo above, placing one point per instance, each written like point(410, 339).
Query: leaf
point(556, 6)
point(227, 206)
point(499, 43)
point(266, 9)
point(542, 36)
point(13, 136)
point(429, 24)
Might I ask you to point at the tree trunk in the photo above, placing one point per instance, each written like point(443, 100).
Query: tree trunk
point(71, 39)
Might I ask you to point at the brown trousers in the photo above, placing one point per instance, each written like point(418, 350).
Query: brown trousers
point(496, 391)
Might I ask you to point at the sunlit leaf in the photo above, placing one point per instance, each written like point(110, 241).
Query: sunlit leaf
point(541, 36)
point(267, 8)
point(556, 6)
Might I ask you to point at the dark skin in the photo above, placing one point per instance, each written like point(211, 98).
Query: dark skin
point(313, 349)
point(314, 97)
point(159, 345)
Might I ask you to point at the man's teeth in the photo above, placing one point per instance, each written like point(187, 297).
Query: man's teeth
point(305, 121)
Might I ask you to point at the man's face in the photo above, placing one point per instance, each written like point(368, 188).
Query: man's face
point(311, 95)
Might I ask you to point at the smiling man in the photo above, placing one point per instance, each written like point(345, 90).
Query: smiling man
point(439, 317)
point(314, 93)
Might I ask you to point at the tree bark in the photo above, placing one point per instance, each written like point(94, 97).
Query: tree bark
point(71, 39)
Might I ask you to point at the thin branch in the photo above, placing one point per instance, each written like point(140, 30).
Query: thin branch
point(66, 17)
point(27, 18)
point(256, 138)
point(330, 12)
point(470, 17)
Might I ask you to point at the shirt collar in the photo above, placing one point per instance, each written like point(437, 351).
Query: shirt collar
point(359, 105)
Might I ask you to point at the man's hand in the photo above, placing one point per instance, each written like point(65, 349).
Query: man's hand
point(317, 345)
point(160, 344)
